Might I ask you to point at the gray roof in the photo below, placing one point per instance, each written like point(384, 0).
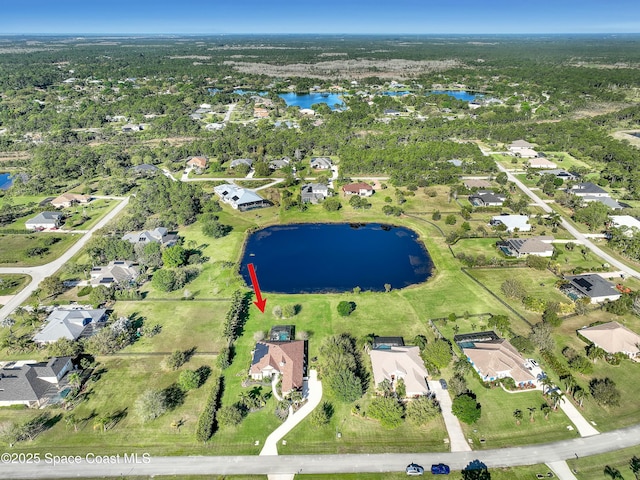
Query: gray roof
point(241, 161)
point(145, 167)
point(608, 201)
point(237, 196)
point(26, 383)
point(592, 285)
point(158, 235)
point(524, 246)
point(314, 192)
point(557, 172)
point(485, 197)
point(67, 324)
point(118, 271)
point(587, 188)
point(321, 162)
point(276, 164)
point(51, 218)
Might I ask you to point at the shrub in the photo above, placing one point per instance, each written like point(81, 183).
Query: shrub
point(84, 291)
point(346, 308)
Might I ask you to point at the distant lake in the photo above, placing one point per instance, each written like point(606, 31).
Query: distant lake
point(459, 94)
point(322, 258)
point(636, 134)
point(239, 91)
point(305, 100)
point(396, 94)
point(5, 181)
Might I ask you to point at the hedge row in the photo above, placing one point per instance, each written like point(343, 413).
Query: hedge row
point(555, 364)
point(207, 423)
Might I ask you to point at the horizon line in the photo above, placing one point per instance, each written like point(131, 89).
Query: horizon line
point(303, 33)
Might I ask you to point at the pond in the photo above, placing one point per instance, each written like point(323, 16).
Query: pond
point(5, 181)
point(305, 100)
point(458, 94)
point(324, 258)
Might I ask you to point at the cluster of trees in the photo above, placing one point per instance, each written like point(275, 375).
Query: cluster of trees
point(341, 367)
point(207, 420)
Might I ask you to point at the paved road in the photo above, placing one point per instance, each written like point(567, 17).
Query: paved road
point(570, 228)
point(39, 273)
point(327, 464)
point(227, 116)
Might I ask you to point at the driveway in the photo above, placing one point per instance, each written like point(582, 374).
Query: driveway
point(457, 439)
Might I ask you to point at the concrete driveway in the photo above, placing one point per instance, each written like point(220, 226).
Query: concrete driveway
point(457, 439)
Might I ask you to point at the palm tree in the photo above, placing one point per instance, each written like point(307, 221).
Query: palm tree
point(580, 394)
point(547, 385)
point(72, 421)
point(556, 398)
point(517, 414)
point(75, 380)
point(546, 409)
point(532, 411)
point(569, 383)
point(101, 423)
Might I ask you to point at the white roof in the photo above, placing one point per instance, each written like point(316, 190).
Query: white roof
point(625, 221)
point(521, 222)
point(236, 195)
point(400, 362)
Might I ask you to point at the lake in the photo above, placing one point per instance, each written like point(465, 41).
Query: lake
point(459, 94)
point(324, 258)
point(5, 181)
point(305, 100)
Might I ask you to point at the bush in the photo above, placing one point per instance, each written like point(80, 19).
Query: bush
point(466, 409)
point(322, 415)
point(332, 204)
point(189, 380)
point(151, 404)
point(164, 280)
point(207, 420)
point(84, 291)
point(387, 410)
point(175, 360)
point(346, 308)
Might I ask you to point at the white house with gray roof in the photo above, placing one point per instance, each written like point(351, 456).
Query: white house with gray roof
point(44, 221)
point(519, 247)
point(591, 286)
point(69, 323)
point(118, 272)
point(321, 163)
point(158, 235)
point(314, 192)
point(32, 383)
point(241, 161)
point(240, 198)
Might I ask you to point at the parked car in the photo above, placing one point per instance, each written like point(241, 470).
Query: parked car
point(413, 469)
point(443, 383)
point(440, 469)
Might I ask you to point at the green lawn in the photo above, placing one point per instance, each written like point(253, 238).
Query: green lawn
point(10, 284)
point(592, 468)
point(14, 249)
point(84, 217)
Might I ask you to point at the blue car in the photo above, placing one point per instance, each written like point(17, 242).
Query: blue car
point(440, 469)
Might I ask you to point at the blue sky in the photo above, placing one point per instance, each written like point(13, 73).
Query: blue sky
point(327, 16)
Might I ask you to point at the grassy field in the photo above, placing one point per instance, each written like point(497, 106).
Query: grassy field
point(592, 468)
point(14, 251)
point(84, 217)
point(10, 284)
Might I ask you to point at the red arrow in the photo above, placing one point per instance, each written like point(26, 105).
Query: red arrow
point(260, 302)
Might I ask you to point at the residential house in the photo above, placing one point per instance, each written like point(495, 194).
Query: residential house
point(144, 170)
point(307, 111)
point(590, 192)
point(591, 286)
point(559, 173)
point(393, 363)
point(158, 235)
point(476, 183)
point(321, 163)
point(314, 193)
point(117, 272)
point(541, 162)
point(260, 112)
point(287, 359)
point(44, 221)
point(519, 145)
point(613, 338)
point(520, 247)
point(630, 224)
point(278, 164)
point(588, 189)
point(131, 127)
point(392, 112)
point(496, 359)
point(31, 383)
point(211, 127)
point(487, 198)
point(361, 189)
point(240, 198)
point(67, 199)
point(241, 161)
point(70, 323)
point(513, 223)
point(199, 164)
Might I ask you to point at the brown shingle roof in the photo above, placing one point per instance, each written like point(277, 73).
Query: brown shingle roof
point(356, 187)
point(287, 358)
point(498, 358)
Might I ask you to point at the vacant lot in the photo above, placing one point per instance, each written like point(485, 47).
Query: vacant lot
point(34, 249)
